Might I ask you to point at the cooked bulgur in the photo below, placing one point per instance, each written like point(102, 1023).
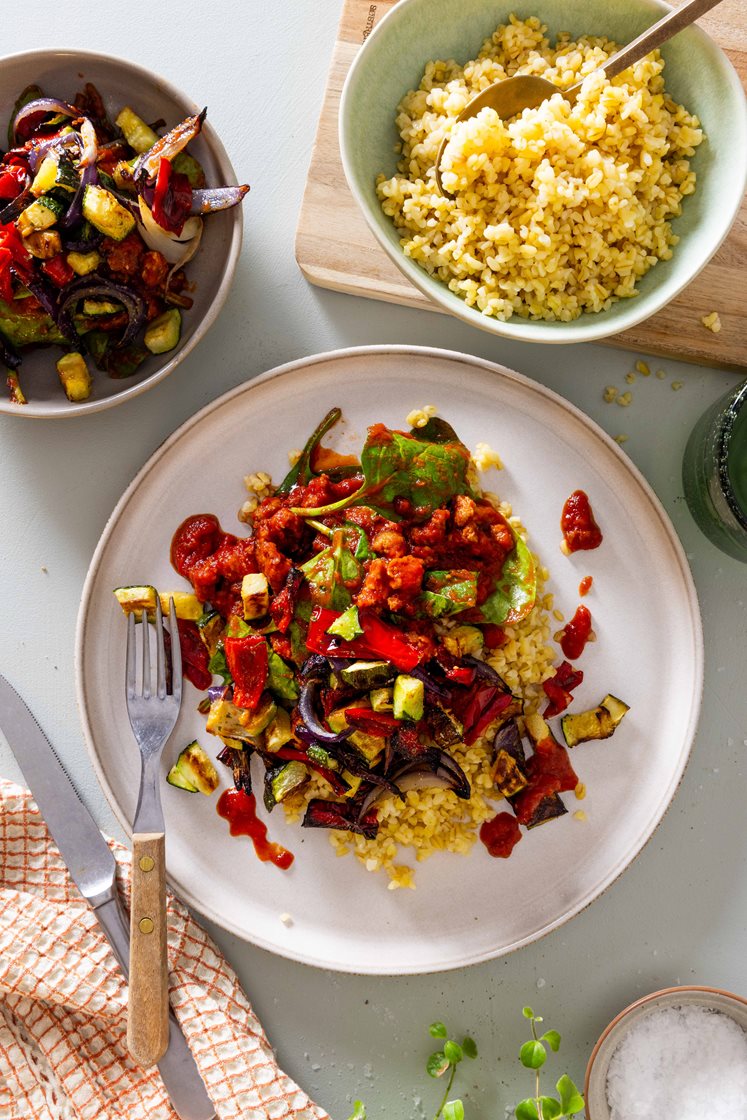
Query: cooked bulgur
point(561, 210)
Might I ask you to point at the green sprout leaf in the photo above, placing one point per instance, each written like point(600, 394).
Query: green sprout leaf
point(571, 1100)
point(453, 1110)
point(533, 1054)
point(527, 1109)
point(453, 1051)
point(359, 1111)
point(527, 1012)
point(437, 1030)
point(437, 1064)
point(552, 1038)
point(470, 1048)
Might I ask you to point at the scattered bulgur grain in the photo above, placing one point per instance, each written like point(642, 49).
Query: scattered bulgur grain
point(622, 438)
point(712, 322)
point(625, 399)
point(661, 374)
point(579, 815)
point(558, 636)
point(610, 393)
point(558, 615)
point(630, 378)
point(580, 791)
point(286, 919)
point(419, 417)
point(677, 385)
point(294, 456)
point(564, 548)
point(484, 457)
point(643, 368)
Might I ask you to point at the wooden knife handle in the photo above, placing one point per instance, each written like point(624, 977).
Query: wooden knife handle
point(148, 1001)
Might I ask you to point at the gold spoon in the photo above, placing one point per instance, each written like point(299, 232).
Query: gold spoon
point(526, 91)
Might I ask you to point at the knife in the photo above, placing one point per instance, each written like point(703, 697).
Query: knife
point(93, 870)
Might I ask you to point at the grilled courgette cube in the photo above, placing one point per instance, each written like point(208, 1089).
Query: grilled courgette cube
point(187, 606)
point(39, 215)
point(279, 732)
point(74, 377)
point(597, 723)
point(282, 780)
point(537, 728)
point(55, 176)
point(508, 776)
point(368, 674)
point(83, 263)
point(102, 210)
point(464, 640)
point(408, 700)
point(163, 333)
point(255, 595)
point(381, 699)
point(370, 746)
point(225, 719)
point(135, 599)
point(139, 135)
point(193, 771)
point(211, 628)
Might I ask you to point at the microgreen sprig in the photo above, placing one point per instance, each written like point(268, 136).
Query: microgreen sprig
point(445, 1061)
point(533, 1055)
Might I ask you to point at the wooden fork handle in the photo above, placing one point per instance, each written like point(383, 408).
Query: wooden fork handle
point(148, 1001)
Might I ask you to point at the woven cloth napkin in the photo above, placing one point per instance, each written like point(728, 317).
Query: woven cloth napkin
point(63, 1001)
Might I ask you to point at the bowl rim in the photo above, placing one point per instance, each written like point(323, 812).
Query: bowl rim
point(43, 411)
point(529, 330)
point(677, 990)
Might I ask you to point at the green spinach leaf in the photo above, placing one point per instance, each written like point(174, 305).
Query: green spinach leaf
point(448, 592)
point(328, 572)
point(300, 474)
point(516, 591)
point(281, 679)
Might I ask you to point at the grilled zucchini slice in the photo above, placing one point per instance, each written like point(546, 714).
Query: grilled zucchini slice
point(597, 723)
point(193, 771)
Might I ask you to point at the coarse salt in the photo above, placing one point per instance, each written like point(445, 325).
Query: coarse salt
point(687, 1062)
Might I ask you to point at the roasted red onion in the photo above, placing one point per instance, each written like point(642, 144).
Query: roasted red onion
point(97, 288)
point(168, 146)
point(41, 107)
point(210, 199)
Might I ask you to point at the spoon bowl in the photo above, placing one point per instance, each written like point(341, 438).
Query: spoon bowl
point(512, 96)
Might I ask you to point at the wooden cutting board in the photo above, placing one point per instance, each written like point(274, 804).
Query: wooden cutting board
point(335, 249)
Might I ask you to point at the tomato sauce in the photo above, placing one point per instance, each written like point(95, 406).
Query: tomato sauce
point(501, 835)
point(584, 586)
point(576, 633)
point(240, 810)
point(580, 530)
point(549, 771)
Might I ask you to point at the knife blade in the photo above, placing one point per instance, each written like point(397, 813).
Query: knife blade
point(93, 869)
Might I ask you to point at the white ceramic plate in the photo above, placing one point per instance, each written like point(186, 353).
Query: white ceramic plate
point(649, 652)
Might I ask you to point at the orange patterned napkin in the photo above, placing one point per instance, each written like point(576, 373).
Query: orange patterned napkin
point(63, 1001)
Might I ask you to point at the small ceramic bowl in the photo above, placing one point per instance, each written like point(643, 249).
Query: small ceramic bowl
point(62, 73)
point(714, 999)
point(697, 74)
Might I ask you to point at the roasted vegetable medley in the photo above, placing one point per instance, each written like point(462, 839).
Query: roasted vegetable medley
point(97, 221)
point(352, 632)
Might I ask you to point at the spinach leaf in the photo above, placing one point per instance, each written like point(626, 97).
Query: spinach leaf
point(448, 592)
point(516, 591)
point(348, 625)
point(329, 570)
point(436, 431)
point(398, 465)
point(281, 679)
point(301, 473)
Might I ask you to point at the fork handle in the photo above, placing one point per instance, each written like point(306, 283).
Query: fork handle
point(148, 998)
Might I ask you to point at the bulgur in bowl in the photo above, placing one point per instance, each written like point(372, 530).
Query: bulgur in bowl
point(568, 224)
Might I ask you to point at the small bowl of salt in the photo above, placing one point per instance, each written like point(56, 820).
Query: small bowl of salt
point(678, 1052)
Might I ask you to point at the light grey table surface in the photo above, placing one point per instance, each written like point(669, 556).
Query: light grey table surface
point(678, 914)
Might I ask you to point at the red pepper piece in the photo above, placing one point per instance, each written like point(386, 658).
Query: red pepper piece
point(247, 662)
point(379, 640)
point(374, 723)
point(12, 181)
point(494, 636)
point(58, 271)
point(559, 687)
point(172, 198)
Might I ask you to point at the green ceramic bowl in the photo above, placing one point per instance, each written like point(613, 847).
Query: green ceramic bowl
point(697, 74)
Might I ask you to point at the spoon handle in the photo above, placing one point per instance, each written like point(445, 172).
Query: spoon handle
point(668, 26)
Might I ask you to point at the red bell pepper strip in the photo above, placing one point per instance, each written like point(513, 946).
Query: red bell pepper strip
point(172, 198)
point(379, 640)
point(247, 662)
point(58, 271)
point(374, 723)
point(13, 256)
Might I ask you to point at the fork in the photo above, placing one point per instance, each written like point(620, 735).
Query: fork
point(153, 714)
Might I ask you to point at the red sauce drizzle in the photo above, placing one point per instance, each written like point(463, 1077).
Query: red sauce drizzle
point(240, 810)
point(576, 633)
point(580, 530)
point(501, 835)
point(584, 586)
